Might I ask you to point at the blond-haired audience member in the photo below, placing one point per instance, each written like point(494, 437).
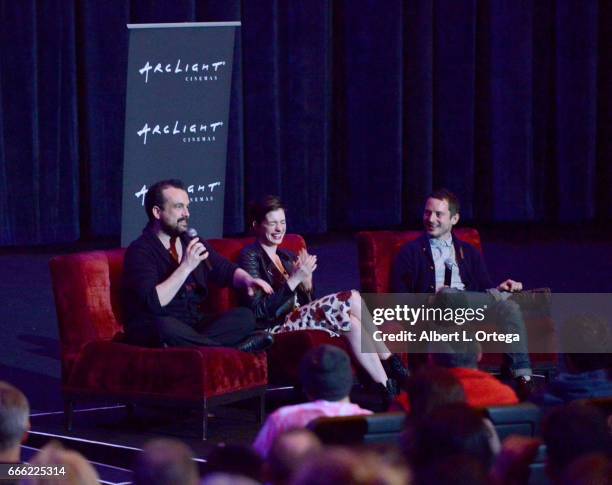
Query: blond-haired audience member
point(14, 422)
point(77, 470)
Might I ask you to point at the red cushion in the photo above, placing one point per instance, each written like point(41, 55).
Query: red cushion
point(179, 373)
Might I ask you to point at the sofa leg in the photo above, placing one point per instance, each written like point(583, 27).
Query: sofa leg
point(68, 411)
point(204, 420)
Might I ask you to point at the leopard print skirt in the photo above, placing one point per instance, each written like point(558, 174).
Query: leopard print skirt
point(329, 314)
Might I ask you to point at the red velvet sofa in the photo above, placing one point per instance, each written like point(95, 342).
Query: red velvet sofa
point(377, 251)
point(96, 365)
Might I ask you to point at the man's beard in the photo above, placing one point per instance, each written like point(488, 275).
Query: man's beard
point(176, 230)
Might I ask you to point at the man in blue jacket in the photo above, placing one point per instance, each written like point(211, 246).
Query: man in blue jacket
point(438, 262)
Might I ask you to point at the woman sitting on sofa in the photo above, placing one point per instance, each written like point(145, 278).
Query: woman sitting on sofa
point(292, 305)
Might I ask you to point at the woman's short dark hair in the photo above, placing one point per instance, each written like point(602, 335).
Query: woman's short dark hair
point(259, 208)
point(155, 196)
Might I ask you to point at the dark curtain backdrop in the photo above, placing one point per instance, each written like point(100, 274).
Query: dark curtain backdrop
point(351, 110)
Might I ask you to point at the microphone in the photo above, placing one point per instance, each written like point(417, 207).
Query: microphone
point(448, 272)
point(190, 234)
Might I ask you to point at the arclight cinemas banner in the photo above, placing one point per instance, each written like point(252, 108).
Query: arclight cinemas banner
point(177, 111)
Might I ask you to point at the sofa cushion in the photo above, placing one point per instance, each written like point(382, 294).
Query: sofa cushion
point(121, 370)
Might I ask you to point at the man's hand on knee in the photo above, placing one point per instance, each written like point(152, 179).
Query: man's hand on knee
point(510, 285)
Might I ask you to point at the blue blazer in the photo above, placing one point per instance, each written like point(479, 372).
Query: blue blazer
point(413, 270)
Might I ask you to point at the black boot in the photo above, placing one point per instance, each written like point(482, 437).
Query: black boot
point(257, 342)
point(392, 389)
point(386, 393)
point(395, 368)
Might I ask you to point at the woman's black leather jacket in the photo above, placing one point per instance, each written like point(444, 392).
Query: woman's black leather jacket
point(271, 308)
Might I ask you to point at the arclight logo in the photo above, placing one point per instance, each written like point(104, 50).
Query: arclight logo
point(197, 192)
point(198, 71)
point(192, 132)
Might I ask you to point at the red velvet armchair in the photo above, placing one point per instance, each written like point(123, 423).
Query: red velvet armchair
point(377, 251)
point(95, 364)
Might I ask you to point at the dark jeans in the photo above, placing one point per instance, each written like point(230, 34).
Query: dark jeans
point(225, 330)
point(508, 317)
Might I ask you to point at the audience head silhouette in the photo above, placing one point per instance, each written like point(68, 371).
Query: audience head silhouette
point(325, 373)
point(14, 421)
point(165, 461)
